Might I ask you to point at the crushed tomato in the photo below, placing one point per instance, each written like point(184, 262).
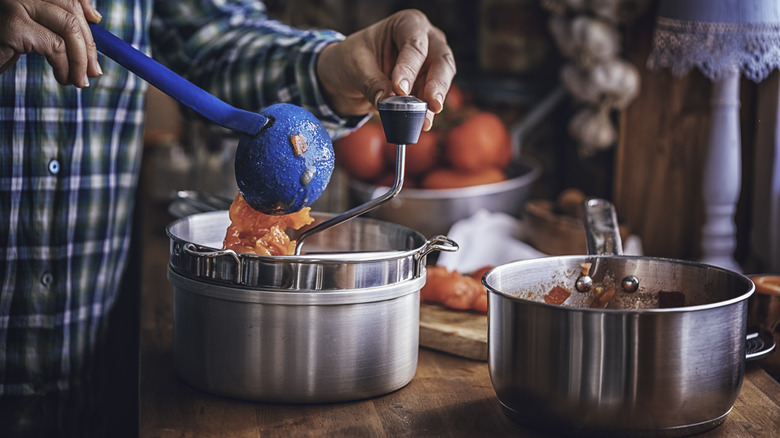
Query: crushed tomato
point(256, 233)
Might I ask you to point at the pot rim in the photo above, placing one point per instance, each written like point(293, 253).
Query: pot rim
point(319, 258)
point(388, 252)
point(750, 286)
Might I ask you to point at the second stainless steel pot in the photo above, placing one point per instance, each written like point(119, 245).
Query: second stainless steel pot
point(631, 369)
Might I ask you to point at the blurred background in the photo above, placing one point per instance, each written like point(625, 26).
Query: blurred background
point(510, 61)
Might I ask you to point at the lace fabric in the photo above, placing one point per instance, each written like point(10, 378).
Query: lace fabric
point(715, 48)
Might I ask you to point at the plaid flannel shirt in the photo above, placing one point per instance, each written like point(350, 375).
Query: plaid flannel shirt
point(69, 164)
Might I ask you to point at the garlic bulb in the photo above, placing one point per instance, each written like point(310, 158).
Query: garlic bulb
point(593, 130)
point(616, 81)
point(593, 40)
point(577, 83)
point(586, 33)
point(613, 83)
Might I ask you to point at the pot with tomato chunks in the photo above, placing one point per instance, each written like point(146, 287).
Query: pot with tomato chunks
point(612, 345)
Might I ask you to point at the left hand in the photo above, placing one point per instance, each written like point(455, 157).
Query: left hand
point(400, 55)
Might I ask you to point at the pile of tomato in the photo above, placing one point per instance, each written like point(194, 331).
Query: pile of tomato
point(466, 147)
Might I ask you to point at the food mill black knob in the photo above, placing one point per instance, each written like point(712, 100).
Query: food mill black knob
point(402, 118)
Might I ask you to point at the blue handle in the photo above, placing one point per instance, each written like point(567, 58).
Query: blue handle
point(176, 86)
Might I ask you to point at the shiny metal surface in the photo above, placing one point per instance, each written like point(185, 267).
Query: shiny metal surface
point(634, 370)
point(360, 253)
point(402, 120)
point(296, 346)
point(432, 212)
point(340, 323)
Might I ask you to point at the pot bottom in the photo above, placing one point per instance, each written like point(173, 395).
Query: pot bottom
point(297, 398)
point(533, 421)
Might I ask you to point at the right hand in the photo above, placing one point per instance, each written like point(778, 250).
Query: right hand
point(56, 29)
point(402, 54)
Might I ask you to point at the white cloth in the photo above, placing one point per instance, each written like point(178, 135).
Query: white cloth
point(493, 238)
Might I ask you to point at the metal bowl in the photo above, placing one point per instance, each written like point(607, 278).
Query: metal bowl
point(432, 212)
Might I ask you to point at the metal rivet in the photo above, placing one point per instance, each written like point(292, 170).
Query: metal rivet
point(630, 284)
point(54, 167)
point(47, 279)
point(584, 283)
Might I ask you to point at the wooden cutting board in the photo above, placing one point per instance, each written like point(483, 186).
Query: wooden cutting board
point(456, 332)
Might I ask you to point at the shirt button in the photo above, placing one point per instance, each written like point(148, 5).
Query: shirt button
point(54, 167)
point(47, 279)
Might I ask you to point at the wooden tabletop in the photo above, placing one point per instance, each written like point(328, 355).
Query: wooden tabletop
point(449, 396)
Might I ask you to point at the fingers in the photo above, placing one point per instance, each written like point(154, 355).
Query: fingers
point(66, 48)
point(409, 32)
point(425, 65)
point(57, 30)
point(90, 14)
point(7, 58)
point(439, 73)
point(402, 54)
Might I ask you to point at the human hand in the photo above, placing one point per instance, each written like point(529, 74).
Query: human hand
point(56, 29)
point(402, 54)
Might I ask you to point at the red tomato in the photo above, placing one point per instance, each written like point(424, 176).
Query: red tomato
point(420, 157)
point(455, 99)
point(481, 140)
point(360, 152)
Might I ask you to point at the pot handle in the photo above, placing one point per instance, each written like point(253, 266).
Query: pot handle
point(436, 243)
point(601, 227)
point(192, 250)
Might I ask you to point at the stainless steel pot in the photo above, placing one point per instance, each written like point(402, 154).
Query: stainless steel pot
point(340, 322)
point(629, 369)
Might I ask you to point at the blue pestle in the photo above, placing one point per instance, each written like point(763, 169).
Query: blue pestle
point(284, 157)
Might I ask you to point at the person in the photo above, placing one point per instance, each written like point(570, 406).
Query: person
point(71, 126)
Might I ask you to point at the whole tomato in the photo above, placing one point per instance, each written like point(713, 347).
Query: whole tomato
point(360, 152)
point(480, 141)
point(420, 157)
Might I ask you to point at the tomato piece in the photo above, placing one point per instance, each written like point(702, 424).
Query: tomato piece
point(557, 295)
point(253, 232)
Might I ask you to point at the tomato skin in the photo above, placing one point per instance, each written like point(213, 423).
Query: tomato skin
point(481, 140)
point(445, 178)
point(420, 157)
point(360, 152)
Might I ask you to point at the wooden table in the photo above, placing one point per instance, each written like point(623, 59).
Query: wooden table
point(448, 396)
